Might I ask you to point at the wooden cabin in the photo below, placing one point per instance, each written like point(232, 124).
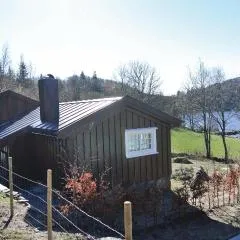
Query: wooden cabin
point(121, 136)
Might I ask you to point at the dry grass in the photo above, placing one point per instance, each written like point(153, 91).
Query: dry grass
point(19, 229)
point(207, 164)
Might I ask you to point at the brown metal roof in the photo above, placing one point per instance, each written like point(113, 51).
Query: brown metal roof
point(72, 115)
point(70, 112)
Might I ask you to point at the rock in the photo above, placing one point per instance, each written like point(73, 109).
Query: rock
point(15, 194)
point(5, 220)
point(3, 188)
point(6, 190)
point(183, 160)
point(22, 201)
point(21, 198)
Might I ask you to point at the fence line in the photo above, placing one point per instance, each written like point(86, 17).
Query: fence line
point(10, 177)
point(45, 226)
point(36, 220)
point(32, 207)
point(25, 178)
point(80, 230)
point(80, 210)
point(49, 203)
point(54, 208)
point(26, 191)
point(37, 210)
point(44, 214)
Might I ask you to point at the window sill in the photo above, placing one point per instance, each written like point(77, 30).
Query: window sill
point(134, 155)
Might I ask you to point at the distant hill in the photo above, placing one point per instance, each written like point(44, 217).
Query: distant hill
point(172, 104)
point(232, 92)
point(234, 82)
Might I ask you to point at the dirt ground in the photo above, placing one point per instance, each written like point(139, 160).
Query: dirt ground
point(208, 164)
point(197, 162)
point(218, 223)
point(18, 228)
point(221, 223)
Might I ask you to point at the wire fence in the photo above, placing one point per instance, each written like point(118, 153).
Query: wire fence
point(75, 224)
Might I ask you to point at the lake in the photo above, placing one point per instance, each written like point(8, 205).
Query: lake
point(233, 124)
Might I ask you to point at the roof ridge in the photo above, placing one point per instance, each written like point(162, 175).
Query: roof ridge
point(17, 94)
point(93, 100)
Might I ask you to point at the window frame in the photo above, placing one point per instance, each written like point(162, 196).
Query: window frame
point(140, 153)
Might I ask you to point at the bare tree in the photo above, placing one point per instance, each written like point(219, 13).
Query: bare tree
point(189, 109)
point(220, 102)
point(4, 66)
point(74, 87)
point(139, 80)
point(198, 86)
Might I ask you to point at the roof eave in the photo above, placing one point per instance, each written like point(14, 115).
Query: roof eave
point(147, 109)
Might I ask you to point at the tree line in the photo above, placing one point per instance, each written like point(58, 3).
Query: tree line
point(137, 79)
point(203, 104)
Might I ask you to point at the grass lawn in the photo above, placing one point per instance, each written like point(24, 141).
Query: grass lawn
point(186, 141)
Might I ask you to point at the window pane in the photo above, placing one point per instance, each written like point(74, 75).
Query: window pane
point(140, 142)
point(145, 141)
point(134, 143)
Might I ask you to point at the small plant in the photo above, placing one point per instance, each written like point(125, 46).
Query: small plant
point(85, 192)
point(217, 182)
point(198, 186)
point(232, 182)
point(82, 188)
point(184, 175)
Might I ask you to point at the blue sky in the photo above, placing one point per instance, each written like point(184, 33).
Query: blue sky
point(66, 37)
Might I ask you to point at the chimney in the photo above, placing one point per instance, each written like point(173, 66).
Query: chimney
point(49, 101)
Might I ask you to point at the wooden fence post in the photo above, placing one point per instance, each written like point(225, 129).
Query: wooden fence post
point(128, 220)
point(49, 204)
point(10, 185)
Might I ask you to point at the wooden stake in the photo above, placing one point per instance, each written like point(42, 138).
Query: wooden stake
point(10, 185)
point(49, 204)
point(128, 220)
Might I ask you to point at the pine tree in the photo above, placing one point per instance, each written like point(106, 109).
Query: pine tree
point(22, 72)
point(10, 74)
point(96, 83)
point(83, 81)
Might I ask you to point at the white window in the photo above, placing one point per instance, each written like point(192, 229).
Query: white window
point(140, 142)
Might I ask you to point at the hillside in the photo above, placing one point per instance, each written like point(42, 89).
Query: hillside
point(231, 89)
point(186, 141)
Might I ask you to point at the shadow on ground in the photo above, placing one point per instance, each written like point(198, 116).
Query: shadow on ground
point(172, 224)
point(197, 226)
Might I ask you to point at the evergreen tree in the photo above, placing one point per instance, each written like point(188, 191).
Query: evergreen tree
point(10, 74)
point(82, 76)
point(22, 72)
point(74, 87)
point(83, 81)
point(96, 83)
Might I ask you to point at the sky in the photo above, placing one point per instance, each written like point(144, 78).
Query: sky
point(67, 37)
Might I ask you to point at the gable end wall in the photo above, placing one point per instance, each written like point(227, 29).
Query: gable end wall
point(101, 147)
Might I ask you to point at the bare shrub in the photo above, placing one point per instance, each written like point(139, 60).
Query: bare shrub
point(216, 182)
point(232, 182)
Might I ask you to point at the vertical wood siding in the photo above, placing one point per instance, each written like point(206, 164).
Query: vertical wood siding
point(12, 104)
point(103, 147)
